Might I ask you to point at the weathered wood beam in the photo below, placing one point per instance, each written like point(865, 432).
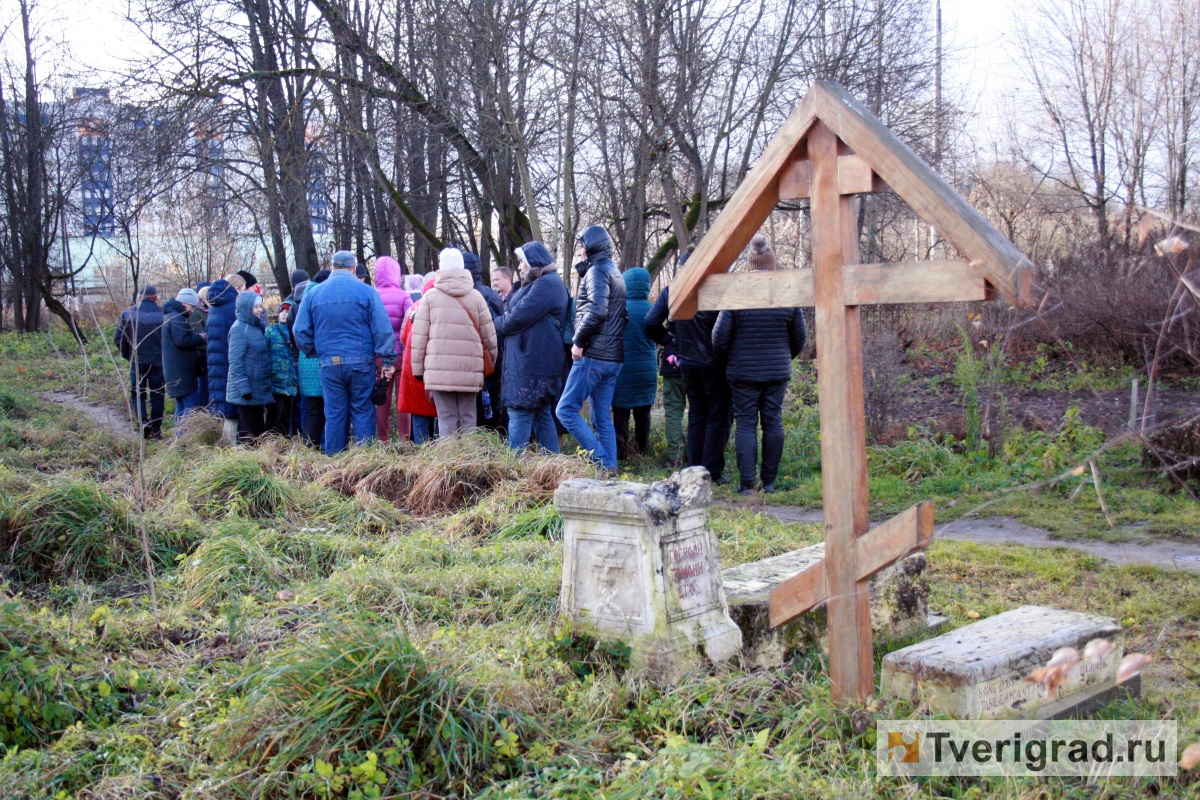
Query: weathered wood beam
point(864, 284)
point(744, 214)
point(925, 191)
point(855, 176)
point(798, 594)
point(905, 533)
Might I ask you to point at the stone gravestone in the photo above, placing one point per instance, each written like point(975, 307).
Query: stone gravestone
point(640, 565)
point(978, 671)
point(899, 605)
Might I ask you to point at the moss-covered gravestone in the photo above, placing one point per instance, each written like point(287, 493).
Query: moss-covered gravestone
point(640, 565)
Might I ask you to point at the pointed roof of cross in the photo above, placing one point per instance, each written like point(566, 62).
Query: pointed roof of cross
point(997, 259)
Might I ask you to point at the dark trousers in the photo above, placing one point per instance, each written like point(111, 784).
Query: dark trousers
point(709, 417)
point(251, 423)
point(284, 417)
point(639, 445)
point(147, 396)
point(754, 402)
point(314, 421)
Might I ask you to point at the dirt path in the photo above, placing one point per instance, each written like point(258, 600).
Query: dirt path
point(111, 418)
point(1004, 530)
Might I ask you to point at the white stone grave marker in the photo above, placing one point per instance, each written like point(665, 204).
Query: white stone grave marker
point(640, 565)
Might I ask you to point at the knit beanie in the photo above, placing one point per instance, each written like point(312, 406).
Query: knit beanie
point(321, 276)
point(248, 278)
point(450, 258)
point(761, 256)
point(188, 297)
point(299, 276)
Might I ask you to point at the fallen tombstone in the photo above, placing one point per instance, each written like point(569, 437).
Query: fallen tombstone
point(899, 605)
point(640, 565)
point(979, 671)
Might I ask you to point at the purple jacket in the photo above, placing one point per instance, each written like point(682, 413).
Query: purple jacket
point(396, 301)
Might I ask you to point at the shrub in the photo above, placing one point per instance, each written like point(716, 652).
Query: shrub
point(47, 682)
point(76, 530)
point(240, 485)
point(359, 691)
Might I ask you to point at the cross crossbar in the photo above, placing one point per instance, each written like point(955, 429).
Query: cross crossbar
point(863, 284)
point(899, 537)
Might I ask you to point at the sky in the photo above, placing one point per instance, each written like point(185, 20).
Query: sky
point(92, 37)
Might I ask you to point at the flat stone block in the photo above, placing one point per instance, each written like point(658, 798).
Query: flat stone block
point(978, 670)
point(640, 565)
point(899, 604)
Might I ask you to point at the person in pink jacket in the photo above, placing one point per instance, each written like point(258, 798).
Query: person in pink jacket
point(397, 302)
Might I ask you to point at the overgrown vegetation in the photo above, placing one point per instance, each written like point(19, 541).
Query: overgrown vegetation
point(383, 624)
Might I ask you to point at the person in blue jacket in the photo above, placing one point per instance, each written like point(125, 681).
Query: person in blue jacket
point(344, 324)
point(637, 383)
point(248, 388)
point(533, 329)
point(221, 316)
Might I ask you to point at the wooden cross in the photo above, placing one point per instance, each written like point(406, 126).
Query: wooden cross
point(830, 149)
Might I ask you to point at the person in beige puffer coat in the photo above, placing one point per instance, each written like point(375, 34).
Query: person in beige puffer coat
point(447, 351)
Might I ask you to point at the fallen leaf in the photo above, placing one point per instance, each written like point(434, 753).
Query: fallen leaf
point(972, 615)
point(1190, 757)
point(1097, 650)
point(1171, 245)
point(1065, 657)
point(48, 373)
point(1048, 677)
point(285, 595)
point(1131, 665)
point(953, 502)
point(1145, 225)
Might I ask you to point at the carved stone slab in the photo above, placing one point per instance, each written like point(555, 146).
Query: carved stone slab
point(978, 671)
point(899, 604)
point(640, 565)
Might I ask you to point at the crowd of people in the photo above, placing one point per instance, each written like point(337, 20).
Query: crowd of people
point(423, 356)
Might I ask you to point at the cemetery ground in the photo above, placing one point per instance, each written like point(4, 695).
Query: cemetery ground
point(384, 623)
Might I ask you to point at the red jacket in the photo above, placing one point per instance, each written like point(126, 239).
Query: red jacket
point(412, 397)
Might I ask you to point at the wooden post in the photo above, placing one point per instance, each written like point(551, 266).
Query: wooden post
point(843, 424)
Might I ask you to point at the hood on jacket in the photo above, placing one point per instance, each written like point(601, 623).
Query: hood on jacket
point(454, 281)
point(535, 256)
point(298, 291)
point(174, 307)
point(244, 310)
point(596, 242)
point(474, 266)
point(298, 276)
point(221, 293)
point(387, 273)
point(413, 283)
point(637, 284)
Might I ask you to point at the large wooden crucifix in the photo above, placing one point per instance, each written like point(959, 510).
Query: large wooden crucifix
point(830, 149)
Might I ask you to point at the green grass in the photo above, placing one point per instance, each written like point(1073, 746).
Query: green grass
point(317, 635)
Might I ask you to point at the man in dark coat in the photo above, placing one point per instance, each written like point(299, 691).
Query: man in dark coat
point(598, 348)
point(532, 328)
point(709, 413)
point(182, 353)
point(761, 343)
point(491, 384)
point(139, 338)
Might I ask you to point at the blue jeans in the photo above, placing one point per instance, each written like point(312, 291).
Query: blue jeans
point(523, 421)
point(186, 405)
point(347, 389)
point(423, 428)
point(596, 381)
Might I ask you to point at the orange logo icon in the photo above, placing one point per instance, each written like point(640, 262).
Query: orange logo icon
point(911, 750)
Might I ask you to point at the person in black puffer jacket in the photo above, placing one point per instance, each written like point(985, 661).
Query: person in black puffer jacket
point(139, 339)
point(598, 348)
point(709, 412)
point(764, 341)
